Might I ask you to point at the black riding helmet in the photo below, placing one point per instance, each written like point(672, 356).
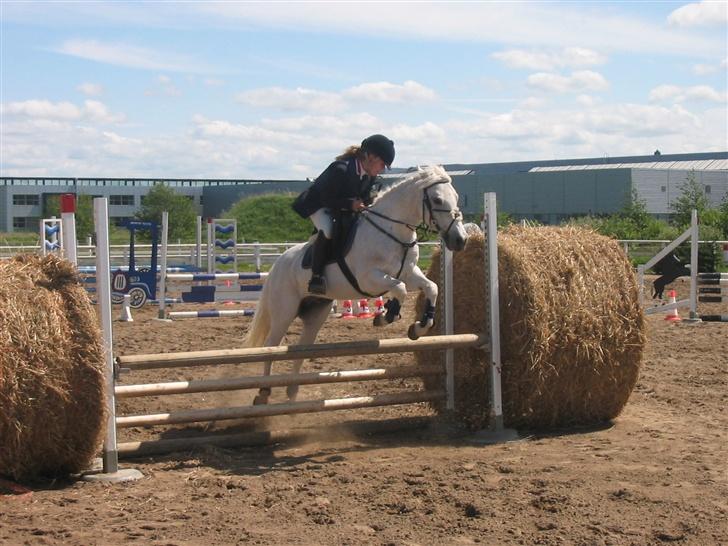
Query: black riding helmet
point(380, 146)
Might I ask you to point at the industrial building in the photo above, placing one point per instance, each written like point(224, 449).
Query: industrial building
point(548, 191)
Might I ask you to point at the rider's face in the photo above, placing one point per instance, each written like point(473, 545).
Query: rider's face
point(373, 165)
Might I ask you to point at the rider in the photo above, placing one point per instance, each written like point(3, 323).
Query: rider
point(345, 187)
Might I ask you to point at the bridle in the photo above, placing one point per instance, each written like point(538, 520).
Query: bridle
point(455, 213)
point(426, 226)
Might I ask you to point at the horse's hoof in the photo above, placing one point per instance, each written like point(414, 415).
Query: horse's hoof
point(379, 320)
point(292, 392)
point(260, 400)
point(412, 332)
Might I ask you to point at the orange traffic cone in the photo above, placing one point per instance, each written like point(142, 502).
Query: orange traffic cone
point(672, 314)
point(379, 307)
point(364, 309)
point(346, 310)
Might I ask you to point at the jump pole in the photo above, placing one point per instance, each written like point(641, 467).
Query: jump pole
point(294, 352)
point(68, 233)
point(163, 268)
point(110, 456)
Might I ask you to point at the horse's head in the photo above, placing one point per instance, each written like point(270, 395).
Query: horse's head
point(440, 208)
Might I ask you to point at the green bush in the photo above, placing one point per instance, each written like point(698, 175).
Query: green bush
point(269, 218)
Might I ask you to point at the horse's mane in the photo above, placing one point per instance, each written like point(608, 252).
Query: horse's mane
point(422, 174)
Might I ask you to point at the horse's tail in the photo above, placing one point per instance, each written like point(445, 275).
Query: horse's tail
point(260, 327)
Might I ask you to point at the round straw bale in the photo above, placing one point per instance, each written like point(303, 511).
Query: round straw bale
point(572, 328)
point(52, 402)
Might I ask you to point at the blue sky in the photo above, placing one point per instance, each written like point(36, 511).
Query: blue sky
point(277, 89)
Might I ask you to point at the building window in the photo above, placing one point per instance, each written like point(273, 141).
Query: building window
point(202, 200)
point(121, 200)
point(663, 189)
point(27, 223)
point(24, 199)
point(707, 189)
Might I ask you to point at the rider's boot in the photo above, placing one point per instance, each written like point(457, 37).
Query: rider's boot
point(317, 284)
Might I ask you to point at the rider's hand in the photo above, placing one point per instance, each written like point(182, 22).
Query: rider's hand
point(357, 205)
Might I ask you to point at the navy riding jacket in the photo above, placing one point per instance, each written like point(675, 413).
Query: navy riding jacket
point(336, 188)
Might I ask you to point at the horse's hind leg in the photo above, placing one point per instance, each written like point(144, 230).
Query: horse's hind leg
point(278, 330)
point(313, 314)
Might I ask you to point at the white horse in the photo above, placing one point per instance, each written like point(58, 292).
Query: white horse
point(383, 259)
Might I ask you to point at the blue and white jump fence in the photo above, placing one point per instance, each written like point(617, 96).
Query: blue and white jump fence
point(488, 339)
point(207, 293)
point(222, 251)
point(697, 280)
point(58, 235)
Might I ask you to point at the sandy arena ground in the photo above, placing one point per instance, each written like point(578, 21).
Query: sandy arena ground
point(656, 475)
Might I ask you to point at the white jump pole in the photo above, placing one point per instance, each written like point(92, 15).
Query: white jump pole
point(695, 237)
point(446, 274)
point(68, 231)
point(110, 453)
point(198, 243)
point(162, 292)
point(103, 295)
point(491, 268)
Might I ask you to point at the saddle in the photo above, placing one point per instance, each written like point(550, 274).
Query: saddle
point(339, 245)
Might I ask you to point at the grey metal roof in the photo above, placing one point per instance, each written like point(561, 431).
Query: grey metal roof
point(402, 174)
point(697, 165)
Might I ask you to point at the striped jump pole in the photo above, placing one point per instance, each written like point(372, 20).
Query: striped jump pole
point(212, 313)
point(715, 284)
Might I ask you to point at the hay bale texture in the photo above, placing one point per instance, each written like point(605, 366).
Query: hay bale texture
point(572, 329)
point(52, 402)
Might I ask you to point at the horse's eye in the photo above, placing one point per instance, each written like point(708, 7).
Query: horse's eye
point(437, 201)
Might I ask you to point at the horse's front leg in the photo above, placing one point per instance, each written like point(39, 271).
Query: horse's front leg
point(418, 280)
point(377, 281)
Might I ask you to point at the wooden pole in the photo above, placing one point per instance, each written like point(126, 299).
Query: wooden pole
point(294, 352)
point(257, 382)
point(285, 408)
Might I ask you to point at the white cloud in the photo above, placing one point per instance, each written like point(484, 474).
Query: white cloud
point(91, 89)
point(301, 99)
point(588, 101)
point(310, 100)
point(163, 86)
point(571, 57)
point(129, 56)
point(409, 91)
point(707, 12)
point(531, 24)
point(583, 80)
point(678, 94)
point(213, 82)
point(93, 111)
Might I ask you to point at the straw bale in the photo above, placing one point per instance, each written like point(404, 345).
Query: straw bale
point(52, 405)
point(572, 329)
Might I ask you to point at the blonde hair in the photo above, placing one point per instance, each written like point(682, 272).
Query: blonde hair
point(351, 151)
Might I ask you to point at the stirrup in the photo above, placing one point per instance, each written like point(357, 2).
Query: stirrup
point(317, 285)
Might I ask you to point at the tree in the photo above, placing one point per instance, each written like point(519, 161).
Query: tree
point(692, 196)
point(723, 219)
point(182, 213)
point(635, 210)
